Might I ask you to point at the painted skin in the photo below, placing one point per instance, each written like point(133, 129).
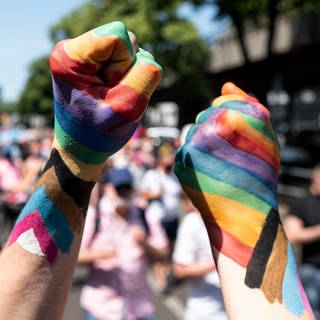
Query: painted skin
point(102, 84)
point(229, 167)
point(97, 108)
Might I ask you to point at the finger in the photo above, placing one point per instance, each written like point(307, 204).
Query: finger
point(131, 96)
point(111, 74)
point(231, 88)
point(134, 41)
point(87, 53)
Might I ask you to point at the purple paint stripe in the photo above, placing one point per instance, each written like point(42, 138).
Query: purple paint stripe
point(40, 231)
point(207, 139)
point(246, 106)
point(88, 110)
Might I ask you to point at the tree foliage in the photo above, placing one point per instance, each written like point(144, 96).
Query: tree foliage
point(174, 42)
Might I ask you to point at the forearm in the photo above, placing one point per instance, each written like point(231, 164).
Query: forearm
point(42, 250)
point(193, 270)
point(156, 254)
point(264, 279)
point(90, 256)
point(229, 167)
point(304, 235)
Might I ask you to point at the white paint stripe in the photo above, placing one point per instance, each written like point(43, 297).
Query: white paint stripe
point(172, 303)
point(28, 241)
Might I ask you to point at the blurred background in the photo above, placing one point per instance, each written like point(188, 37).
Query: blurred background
point(270, 48)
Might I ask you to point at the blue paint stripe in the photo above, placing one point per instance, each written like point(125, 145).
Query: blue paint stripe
point(290, 288)
point(226, 172)
point(85, 134)
point(54, 219)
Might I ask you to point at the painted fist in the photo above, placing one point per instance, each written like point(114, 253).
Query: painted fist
point(101, 89)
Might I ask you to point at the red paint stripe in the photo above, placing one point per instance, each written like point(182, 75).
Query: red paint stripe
point(244, 144)
point(34, 221)
point(126, 101)
point(230, 246)
point(80, 75)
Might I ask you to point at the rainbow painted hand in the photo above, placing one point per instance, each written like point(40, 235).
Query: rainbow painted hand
point(229, 167)
point(101, 89)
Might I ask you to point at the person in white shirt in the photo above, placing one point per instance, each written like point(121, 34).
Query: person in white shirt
point(161, 188)
point(193, 260)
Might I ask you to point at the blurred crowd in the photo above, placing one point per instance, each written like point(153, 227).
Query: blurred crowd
point(140, 223)
point(131, 228)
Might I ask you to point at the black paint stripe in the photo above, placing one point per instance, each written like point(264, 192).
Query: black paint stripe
point(78, 189)
point(262, 251)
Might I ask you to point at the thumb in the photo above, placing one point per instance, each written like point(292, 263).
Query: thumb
point(231, 88)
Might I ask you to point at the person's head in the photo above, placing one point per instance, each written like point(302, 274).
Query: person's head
point(166, 157)
point(315, 181)
point(122, 182)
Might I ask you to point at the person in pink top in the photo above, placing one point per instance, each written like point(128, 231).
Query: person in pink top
point(118, 248)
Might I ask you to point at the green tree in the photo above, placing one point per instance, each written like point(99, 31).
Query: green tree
point(174, 41)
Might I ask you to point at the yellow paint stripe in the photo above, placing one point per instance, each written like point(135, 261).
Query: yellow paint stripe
point(91, 48)
point(241, 221)
point(240, 125)
point(86, 172)
point(217, 102)
point(136, 78)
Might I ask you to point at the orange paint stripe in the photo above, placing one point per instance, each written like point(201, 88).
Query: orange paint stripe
point(242, 222)
point(139, 80)
point(236, 123)
point(91, 48)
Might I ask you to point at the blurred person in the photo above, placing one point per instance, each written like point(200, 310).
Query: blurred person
point(160, 187)
point(9, 170)
point(192, 260)
point(303, 228)
point(118, 250)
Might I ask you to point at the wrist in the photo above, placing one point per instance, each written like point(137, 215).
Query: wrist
point(84, 171)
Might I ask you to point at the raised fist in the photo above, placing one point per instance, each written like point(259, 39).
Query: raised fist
point(101, 89)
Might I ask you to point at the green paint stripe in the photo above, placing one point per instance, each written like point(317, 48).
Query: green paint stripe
point(115, 29)
point(260, 125)
point(206, 184)
point(84, 154)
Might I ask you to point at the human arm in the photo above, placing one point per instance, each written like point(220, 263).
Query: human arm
point(193, 270)
point(298, 233)
point(229, 167)
point(101, 89)
point(90, 256)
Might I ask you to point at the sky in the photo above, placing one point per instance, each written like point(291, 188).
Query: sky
point(24, 36)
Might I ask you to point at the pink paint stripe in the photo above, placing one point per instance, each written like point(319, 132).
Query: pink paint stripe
point(34, 221)
point(305, 300)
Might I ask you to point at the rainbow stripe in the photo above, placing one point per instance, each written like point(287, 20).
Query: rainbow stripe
point(101, 88)
point(229, 167)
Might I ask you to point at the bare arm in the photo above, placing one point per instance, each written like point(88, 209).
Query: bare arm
point(299, 234)
point(195, 269)
point(229, 167)
point(94, 117)
point(90, 256)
